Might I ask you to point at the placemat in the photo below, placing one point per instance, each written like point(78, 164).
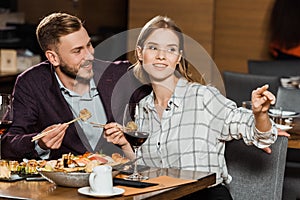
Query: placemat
point(163, 181)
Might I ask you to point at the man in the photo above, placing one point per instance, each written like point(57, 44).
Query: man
point(53, 92)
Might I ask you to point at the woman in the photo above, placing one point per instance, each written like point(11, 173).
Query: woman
point(190, 122)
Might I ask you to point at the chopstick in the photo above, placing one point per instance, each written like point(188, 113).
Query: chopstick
point(38, 136)
point(97, 124)
point(42, 134)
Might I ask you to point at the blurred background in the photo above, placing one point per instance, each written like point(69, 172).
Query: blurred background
point(231, 31)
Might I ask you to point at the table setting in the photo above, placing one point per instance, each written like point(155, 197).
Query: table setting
point(282, 118)
point(292, 82)
point(95, 175)
point(162, 181)
point(289, 121)
point(111, 174)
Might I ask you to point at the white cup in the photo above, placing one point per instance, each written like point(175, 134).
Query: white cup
point(101, 180)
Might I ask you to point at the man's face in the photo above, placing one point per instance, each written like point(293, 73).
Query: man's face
point(75, 53)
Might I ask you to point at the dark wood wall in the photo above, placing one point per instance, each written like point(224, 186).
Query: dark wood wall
point(95, 13)
point(231, 31)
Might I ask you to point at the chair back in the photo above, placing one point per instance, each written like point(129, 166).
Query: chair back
point(288, 99)
point(239, 86)
point(281, 68)
point(256, 174)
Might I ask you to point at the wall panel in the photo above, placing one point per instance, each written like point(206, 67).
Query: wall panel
point(195, 18)
point(95, 13)
point(241, 32)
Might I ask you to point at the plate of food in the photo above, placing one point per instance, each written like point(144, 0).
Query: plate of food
point(11, 171)
point(69, 171)
point(74, 171)
point(12, 178)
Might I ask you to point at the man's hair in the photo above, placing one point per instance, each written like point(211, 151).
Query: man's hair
point(54, 26)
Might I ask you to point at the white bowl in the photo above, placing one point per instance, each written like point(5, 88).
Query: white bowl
point(67, 179)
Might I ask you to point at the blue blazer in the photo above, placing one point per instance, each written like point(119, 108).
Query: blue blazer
point(39, 103)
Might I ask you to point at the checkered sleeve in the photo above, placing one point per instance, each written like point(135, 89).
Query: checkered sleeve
point(230, 122)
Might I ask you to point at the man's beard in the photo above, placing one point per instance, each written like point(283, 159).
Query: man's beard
point(65, 69)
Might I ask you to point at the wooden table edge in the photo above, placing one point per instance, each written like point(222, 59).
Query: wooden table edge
point(181, 190)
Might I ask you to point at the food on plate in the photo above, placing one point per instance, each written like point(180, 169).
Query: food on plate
point(7, 168)
point(5, 172)
point(67, 163)
point(119, 159)
point(84, 163)
point(13, 165)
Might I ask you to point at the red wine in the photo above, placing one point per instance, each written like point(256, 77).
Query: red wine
point(136, 138)
point(4, 126)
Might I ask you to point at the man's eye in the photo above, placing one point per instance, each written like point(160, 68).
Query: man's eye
point(76, 51)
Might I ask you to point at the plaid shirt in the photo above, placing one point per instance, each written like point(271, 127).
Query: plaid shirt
point(192, 132)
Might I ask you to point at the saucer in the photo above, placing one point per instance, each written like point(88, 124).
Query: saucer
point(287, 114)
point(87, 191)
point(284, 114)
point(283, 127)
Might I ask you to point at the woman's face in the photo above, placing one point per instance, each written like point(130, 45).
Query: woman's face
point(160, 54)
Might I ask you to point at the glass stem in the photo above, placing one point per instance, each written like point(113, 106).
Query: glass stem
point(135, 171)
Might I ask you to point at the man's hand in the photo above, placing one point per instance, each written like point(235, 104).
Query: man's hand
point(55, 136)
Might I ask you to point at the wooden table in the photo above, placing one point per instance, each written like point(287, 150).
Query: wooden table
point(294, 139)
point(46, 190)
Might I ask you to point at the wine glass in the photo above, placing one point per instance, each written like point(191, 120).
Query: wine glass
point(5, 115)
point(136, 133)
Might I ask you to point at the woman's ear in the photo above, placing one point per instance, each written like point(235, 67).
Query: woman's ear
point(139, 53)
point(52, 57)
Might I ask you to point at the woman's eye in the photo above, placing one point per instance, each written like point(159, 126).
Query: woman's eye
point(152, 47)
point(173, 50)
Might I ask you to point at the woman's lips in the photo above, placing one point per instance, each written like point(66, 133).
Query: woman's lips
point(160, 66)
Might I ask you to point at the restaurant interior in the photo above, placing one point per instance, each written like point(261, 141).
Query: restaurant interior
point(235, 34)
